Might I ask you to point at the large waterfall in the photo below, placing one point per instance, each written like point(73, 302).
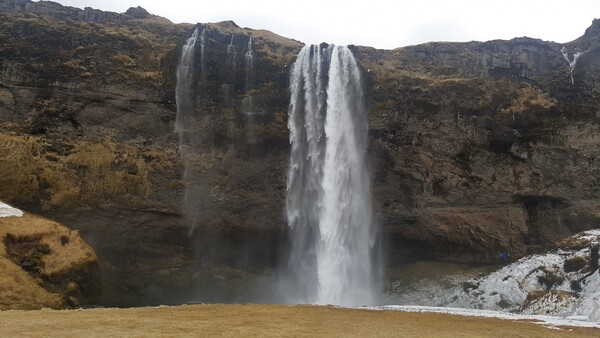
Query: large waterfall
point(329, 194)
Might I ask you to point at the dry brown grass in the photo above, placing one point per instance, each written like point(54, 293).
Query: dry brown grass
point(529, 98)
point(264, 321)
point(21, 291)
point(65, 174)
point(66, 250)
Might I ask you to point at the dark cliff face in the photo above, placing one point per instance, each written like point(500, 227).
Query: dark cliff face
point(476, 148)
point(482, 148)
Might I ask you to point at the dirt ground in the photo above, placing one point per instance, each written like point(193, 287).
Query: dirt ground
point(263, 321)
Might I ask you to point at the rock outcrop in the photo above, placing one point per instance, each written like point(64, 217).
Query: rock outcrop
point(538, 284)
point(476, 148)
point(44, 264)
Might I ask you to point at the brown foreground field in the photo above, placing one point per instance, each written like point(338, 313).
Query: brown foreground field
point(264, 321)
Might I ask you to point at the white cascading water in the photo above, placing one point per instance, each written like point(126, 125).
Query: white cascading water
point(249, 63)
point(329, 194)
point(231, 62)
point(187, 123)
point(247, 105)
point(202, 43)
point(185, 84)
point(572, 63)
point(249, 67)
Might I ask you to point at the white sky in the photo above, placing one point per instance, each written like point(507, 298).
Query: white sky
point(380, 23)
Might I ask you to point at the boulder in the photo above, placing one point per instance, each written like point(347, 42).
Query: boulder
point(44, 264)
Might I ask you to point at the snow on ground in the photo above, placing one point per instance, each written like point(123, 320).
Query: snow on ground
point(8, 211)
point(428, 283)
point(507, 288)
point(549, 321)
point(534, 287)
point(543, 279)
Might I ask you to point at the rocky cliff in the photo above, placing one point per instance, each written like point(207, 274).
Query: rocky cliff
point(476, 148)
point(482, 148)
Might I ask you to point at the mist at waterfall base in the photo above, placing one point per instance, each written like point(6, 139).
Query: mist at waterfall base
point(330, 259)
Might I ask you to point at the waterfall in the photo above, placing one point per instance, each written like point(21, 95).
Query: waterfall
point(231, 62)
point(202, 44)
point(249, 68)
point(572, 63)
point(185, 84)
point(249, 64)
point(187, 123)
point(247, 106)
point(328, 190)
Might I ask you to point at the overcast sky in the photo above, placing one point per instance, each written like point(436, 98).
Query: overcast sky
point(380, 23)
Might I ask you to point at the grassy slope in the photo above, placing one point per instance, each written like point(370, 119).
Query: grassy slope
point(66, 255)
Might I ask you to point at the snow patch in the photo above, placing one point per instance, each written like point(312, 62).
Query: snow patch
point(546, 321)
point(507, 288)
point(536, 285)
point(589, 236)
point(8, 211)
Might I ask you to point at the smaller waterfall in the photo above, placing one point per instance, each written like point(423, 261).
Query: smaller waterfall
point(249, 68)
point(185, 84)
point(249, 63)
point(202, 44)
point(247, 104)
point(186, 123)
point(572, 62)
point(231, 62)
